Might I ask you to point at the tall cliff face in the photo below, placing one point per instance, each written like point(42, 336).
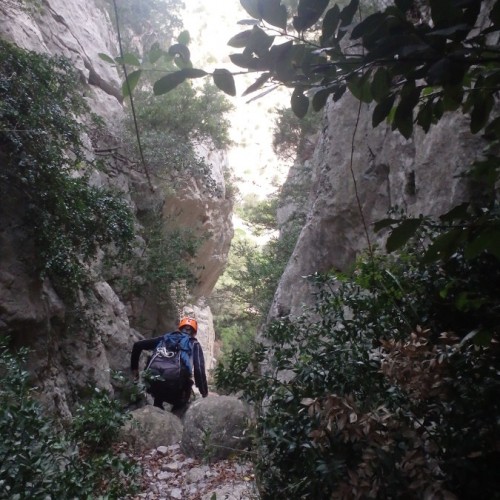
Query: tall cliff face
point(418, 175)
point(67, 358)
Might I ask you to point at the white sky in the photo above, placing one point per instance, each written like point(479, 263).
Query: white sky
point(211, 24)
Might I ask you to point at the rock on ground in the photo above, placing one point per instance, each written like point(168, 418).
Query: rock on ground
point(151, 427)
point(215, 428)
point(193, 479)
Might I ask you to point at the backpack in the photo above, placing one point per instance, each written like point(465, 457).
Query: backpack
point(171, 362)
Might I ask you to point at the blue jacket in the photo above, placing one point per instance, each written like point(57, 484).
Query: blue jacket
point(200, 378)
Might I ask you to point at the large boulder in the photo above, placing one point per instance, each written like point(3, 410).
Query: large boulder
point(151, 427)
point(215, 428)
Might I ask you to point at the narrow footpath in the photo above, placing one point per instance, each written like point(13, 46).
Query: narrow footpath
point(169, 474)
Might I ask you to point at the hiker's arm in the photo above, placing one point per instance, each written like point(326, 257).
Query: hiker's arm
point(200, 377)
point(141, 345)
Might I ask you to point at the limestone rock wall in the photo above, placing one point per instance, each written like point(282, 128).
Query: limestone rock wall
point(208, 212)
point(418, 175)
point(69, 353)
point(76, 30)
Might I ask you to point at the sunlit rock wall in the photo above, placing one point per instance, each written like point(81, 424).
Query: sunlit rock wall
point(418, 175)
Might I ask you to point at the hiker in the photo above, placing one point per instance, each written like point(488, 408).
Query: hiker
point(176, 355)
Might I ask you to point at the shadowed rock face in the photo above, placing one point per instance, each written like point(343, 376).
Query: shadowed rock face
point(67, 358)
point(418, 175)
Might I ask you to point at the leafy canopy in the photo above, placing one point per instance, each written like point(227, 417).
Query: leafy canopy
point(414, 68)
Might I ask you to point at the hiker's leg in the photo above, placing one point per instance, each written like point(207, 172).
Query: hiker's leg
point(182, 402)
point(158, 401)
point(180, 408)
point(158, 396)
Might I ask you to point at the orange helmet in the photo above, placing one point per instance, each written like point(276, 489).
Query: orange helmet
point(187, 321)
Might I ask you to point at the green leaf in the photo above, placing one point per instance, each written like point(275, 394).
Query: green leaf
point(244, 60)
point(132, 79)
point(495, 13)
point(360, 86)
point(339, 92)
point(453, 97)
point(425, 116)
point(257, 84)
point(381, 84)
point(493, 128)
point(129, 59)
point(330, 24)
point(240, 40)
point(483, 338)
point(182, 63)
point(193, 73)
point(403, 123)
point(320, 98)
point(106, 58)
point(259, 42)
point(402, 233)
point(224, 80)
point(347, 13)
point(437, 73)
point(446, 72)
point(308, 13)
point(367, 25)
point(274, 13)
point(382, 110)
point(460, 212)
point(403, 118)
point(252, 7)
point(300, 103)
point(450, 31)
point(285, 57)
point(168, 82)
point(184, 37)
point(483, 105)
point(382, 224)
point(181, 50)
point(487, 240)
point(312, 63)
point(444, 245)
point(442, 11)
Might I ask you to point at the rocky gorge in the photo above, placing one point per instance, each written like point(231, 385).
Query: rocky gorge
point(351, 176)
point(31, 311)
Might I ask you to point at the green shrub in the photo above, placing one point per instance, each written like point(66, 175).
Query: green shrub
point(165, 259)
point(46, 169)
point(356, 400)
point(38, 461)
point(97, 423)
